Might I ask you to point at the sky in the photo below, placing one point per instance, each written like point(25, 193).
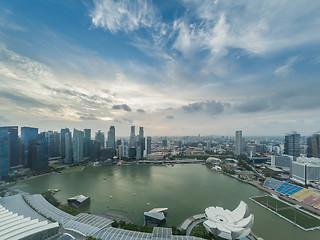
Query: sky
point(176, 68)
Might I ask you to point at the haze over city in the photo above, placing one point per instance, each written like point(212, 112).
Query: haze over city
point(174, 67)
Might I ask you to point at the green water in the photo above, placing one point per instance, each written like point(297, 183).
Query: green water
point(184, 189)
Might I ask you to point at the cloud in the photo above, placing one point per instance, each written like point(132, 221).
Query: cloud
point(285, 69)
point(124, 107)
point(87, 117)
point(140, 110)
point(123, 15)
point(210, 107)
point(169, 117)
point(3, 119)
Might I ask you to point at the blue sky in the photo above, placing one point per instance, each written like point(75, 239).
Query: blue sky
point(174, 67)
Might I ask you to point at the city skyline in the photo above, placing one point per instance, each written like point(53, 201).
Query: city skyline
point(177, 68)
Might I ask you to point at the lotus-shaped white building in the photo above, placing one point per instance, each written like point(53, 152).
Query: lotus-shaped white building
point(229, 224)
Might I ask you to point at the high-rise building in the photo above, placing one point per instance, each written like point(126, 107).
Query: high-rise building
point(132, 142)
point(240, 146)
point(54, 144)
point(63, 142)
point(27, 134)
point(4, 153)
point(164, 143)
point(39, 153)
point(100, 138)
point(77, 145)
point(148, 145)
point(141, 142)
point(292, 144)
point(87, 142)
point(313, 143)
point(112, 138)
point(68, 148)
point(125, 148)
point(13, 145)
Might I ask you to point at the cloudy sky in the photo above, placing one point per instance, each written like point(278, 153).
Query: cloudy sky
point(174, 67)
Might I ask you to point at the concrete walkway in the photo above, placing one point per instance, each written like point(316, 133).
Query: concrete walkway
point(193, 224)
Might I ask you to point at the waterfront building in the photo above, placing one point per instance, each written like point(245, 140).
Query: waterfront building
point(132, 152)
point(27, 134)
point(13, 144)
point(305, 170)
point(148, 145)
point(68, 148)
point(54, 144)
point(4, 153)
point(132, 142)
point(313, 143)
point(87, 142)
point(125, 148)
point(63, 132)
point(112, 139)
point(100, 138)
point(95, 150)
point(292, 144)
point(284, 162)
point(77, 146)
point(78, 201)
point(239, 143)
point(39, 153)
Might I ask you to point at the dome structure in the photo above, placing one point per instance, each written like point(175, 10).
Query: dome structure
point(228, 224)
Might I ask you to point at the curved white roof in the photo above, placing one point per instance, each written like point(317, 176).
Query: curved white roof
point(229, 224)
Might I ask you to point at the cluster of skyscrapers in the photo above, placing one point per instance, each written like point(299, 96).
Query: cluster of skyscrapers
point(33, 150)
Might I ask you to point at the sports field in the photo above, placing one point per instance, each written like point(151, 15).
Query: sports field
point(300, 218)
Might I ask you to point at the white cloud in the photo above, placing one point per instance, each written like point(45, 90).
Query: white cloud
point(123, 15)
point(285, 69)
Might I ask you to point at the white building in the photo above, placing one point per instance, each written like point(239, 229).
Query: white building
point(305, 170)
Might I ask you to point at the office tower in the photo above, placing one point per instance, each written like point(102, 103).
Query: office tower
point(313, 143)
point(132, 152)
point(292, 144)
point(148, 145)
point(54, 144)
point(13, 145)
point(27, 134)
point(95, 150)
point(132, 142)
point(125, 148)
point(4, 153)
point(119, 151)
point(68, 148)
point(100, 138)
point(77, 146)
point(112, 138)
point(142, 141)
point(63, 142)
point(240, 146)
point(208, 146)
point(164, 143)
point(39, 153)
point(87, 142)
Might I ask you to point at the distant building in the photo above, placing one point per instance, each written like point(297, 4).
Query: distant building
point(125, 148)
point(87, 142)
point(165, 143)
point(77, 146)
point(68, 148)
point(112, 139)
point(13, 145)
point(39, 153)
point(284, 162)
point(100, 138)
point(63, 142)
point(4, 153)
point(54, 144)
point(239, 148)
point(292, 144)
point(313, 143)
point(148, 145)
point(305, 170)
point(27, 134)
point(132, 142)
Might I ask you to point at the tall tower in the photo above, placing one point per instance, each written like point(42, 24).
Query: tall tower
point(239, 148)
point(314, 145)
point(112, 138)
point(4, 153)
point(13, 145)
point(68, 148)
point(63, 142)
point(292, 144)
point(78, 137)
point(87, 142)
point(27, 134)
point(132, 142)
point(148, 145)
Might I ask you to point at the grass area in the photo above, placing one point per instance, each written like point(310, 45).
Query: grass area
point(200, 231)
point(73, 169)
point(303, 219)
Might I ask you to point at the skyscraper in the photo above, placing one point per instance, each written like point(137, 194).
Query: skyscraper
point(148, 145)
point(63, 142)
point(4, 153)
point(27, 134)
point(77, 145)
point(141, 142)
point(112, 138)
point(132, 142)
point(87, 142)
point(13, 145)
point(125, 148)
point(100, 138)
point(39, 153)
point(68, 148)
point(54, 144)
point(239, 148)
point(292, 144)
point(313, 143)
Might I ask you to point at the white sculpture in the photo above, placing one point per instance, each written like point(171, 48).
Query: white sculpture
point(229, 224)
